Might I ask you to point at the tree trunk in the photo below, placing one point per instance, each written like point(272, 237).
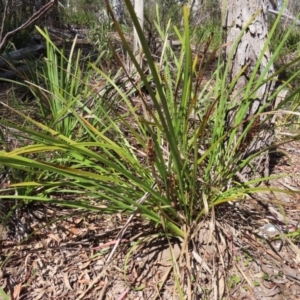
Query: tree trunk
point(139, 10)
point(236, 15)
point(118, 10)
point(195, 8)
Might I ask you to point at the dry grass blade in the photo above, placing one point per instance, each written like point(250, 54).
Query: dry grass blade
point(294, 248)
point(94, 281)
point(185, 253)
point(102, 294)
point(201, 262)
point(245, 277)
point(218, 285)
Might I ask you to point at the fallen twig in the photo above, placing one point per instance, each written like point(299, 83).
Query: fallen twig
point(36, 16)
point(123, 230)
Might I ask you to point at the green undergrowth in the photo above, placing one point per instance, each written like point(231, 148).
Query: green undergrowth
point(155, 140)
point(109, 154)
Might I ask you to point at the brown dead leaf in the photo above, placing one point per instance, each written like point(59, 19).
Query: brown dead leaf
point(77, 221)
point(85, 265)
point(220, 285)
point(92, 227)
point(54, 237)
point(75, 230)
point(66, 281)
point(40, 294)
point(88, 281)
point(17, 291)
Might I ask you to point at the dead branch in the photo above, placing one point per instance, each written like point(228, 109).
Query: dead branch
point(4, 19)
point(36, 16)
point(274, 12)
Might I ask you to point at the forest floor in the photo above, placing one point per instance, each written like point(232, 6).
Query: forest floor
point(65, 254)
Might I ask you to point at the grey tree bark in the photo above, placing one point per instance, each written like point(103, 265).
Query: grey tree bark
point(118, 9)
point(195, 8)
point(137, 47)
point(235, 16)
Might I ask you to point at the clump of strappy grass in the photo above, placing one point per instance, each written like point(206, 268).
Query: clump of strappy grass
point(173, 159)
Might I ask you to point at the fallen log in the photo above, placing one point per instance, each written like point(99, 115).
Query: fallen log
point(25, 53)
point(15, 64)
point(15, 72)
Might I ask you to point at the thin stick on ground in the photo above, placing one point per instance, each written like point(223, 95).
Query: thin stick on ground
point(123, 230)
